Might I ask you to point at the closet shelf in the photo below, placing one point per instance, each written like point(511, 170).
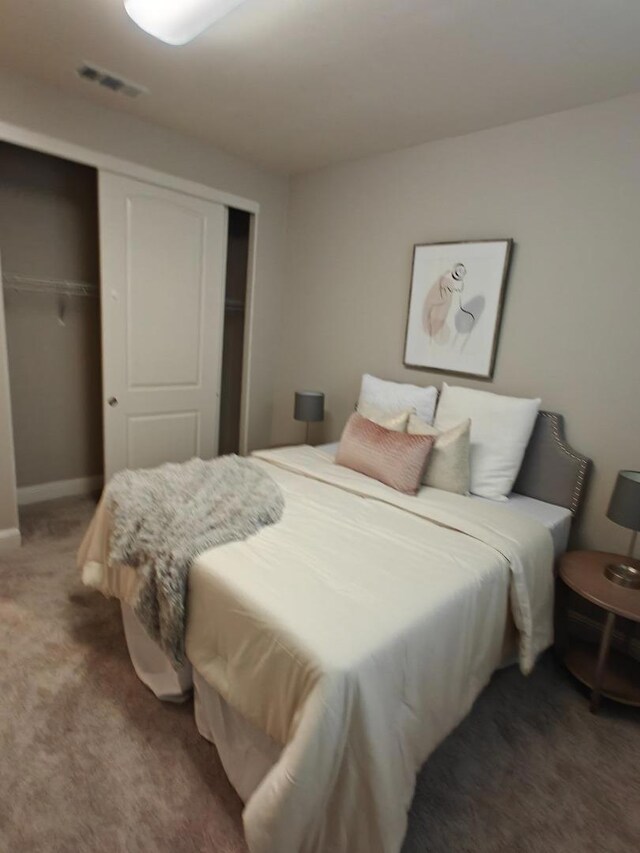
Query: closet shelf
point(55, 286)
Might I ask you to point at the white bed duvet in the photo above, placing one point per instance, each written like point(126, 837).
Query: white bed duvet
point(356, 634)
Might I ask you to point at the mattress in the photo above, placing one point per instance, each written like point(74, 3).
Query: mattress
point(557, 519)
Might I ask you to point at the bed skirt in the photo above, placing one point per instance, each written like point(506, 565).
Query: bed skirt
point(152, 666)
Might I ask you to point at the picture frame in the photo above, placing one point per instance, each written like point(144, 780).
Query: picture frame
point(456, 301)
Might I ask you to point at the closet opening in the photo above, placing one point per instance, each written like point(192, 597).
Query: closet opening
point(92, 391)
point(50, 274)
point(235, 305)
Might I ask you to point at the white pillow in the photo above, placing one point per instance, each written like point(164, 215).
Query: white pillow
point(396, 421)
point(500, 431)
point(399, 396)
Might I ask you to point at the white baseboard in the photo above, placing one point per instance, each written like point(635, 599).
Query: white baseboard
point(10, 539)
point(58, 489)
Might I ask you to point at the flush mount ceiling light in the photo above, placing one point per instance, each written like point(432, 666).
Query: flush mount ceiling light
point(177, 21)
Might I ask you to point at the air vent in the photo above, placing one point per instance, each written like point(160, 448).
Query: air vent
point(110, 80)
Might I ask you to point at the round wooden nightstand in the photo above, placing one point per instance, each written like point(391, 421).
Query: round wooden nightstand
point(606, 671)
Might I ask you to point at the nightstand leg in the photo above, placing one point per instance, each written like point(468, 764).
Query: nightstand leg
point(561, 619)
point(603, 654)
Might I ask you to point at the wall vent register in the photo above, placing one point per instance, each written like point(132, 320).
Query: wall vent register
point(110, 80)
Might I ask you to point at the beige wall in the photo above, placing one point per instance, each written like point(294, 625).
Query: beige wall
point(566, 187)
point(48, 110)
point(49, 229)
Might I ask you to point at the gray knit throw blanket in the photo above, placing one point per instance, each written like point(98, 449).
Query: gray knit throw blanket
point(165, 517)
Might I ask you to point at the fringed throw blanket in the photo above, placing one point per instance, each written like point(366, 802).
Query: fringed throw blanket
point(165, 517)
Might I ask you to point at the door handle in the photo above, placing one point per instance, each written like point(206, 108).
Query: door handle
point(112, 401)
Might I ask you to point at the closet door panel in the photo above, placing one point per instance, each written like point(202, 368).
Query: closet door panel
point(163, 259)
point(172, 354)
point(150, 434)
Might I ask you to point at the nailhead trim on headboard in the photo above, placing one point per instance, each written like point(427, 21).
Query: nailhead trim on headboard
point(583, 462)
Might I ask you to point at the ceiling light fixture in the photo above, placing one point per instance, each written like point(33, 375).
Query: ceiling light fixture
point(177, 21)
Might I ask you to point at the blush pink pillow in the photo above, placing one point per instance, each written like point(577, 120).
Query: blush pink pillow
point(395, 458)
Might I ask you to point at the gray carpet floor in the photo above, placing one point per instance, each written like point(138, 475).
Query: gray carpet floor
point(91, 761)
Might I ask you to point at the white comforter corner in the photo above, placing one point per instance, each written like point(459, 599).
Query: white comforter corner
point(357, 633)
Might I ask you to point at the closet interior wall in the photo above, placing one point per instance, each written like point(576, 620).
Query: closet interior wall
point(48, 235)
point(234, 327)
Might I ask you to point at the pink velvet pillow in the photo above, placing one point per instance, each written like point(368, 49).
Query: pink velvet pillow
point(395, 458)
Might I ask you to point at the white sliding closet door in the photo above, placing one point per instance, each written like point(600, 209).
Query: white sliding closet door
point(163, 261)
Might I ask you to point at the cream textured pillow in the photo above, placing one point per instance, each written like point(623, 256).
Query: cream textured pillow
point(500, 431)
point(398, 396)
point(395, 458)
point(448, 463)
point(396, 421)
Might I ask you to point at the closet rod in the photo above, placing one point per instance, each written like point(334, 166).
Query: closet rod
point(26, 284)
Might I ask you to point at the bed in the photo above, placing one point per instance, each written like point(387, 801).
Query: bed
point(332, 652)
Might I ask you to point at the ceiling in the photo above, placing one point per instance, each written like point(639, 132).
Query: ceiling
point(297, 84)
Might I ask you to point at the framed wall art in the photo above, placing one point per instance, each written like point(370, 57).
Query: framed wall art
point(455, 306)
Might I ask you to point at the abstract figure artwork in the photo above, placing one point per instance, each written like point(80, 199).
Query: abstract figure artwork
point(457, 292)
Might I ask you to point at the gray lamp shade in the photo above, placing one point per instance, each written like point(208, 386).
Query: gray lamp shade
point(624, 507)
point(309, 406)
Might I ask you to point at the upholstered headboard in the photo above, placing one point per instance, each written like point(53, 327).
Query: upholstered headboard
point(552, 471)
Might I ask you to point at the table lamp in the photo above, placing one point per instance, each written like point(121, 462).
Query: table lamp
point(624, 509)
point(309, 407)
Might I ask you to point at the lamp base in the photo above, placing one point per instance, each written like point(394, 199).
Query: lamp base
point(623, 575)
